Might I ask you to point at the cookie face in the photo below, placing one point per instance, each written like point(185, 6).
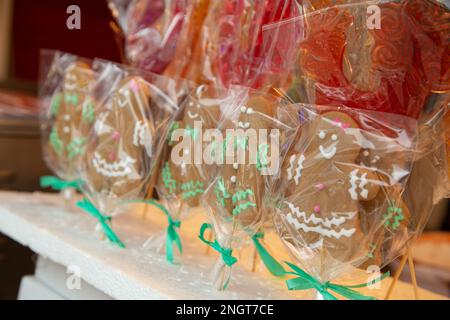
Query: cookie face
point(73, 115)
point(324, 187)
point(119, 155)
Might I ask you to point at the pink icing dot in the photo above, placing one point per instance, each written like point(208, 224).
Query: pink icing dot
point(115, 135)
point(112, 156)
point(316, 208)
point(320, 186)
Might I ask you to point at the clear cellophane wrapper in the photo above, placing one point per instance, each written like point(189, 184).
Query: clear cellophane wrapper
point(247, 151)
point(183, 176)
point(339, 201)
point(151, 29)
point(230, 49)
point(385, 56)
point(66, 113)
point(135, 111)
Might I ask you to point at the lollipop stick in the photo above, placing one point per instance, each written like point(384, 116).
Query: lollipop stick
point(412, 270)
point(209, 237)
point(255, 262)
point(396, 276)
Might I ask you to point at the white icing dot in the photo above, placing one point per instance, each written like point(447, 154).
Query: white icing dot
point(67, 117)
point(66, 129)
point(235, 166)
point(366, 153)
point(249, 110)
point(334, 137)
point(322, 134)
point(186, 151)
point(191, 104)
point(233, 179)
point(243, 109)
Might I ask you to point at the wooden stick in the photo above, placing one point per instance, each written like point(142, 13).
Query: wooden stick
point(396, 276)
point(255, 262)
point(412, 271)
point(209, 237)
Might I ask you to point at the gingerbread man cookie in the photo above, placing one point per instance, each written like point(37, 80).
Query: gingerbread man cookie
point(186, 179)
point(119, 155)
point(72, 113)
point(324, 186)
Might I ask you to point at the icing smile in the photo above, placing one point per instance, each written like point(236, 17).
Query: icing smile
point(328, 153)
point(114, 169)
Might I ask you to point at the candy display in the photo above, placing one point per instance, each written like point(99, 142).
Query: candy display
point(324, 123)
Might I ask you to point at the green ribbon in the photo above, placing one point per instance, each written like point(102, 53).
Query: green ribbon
point(304, 281)
point(227, 254)
point(272, 265)
point(88, 207)
point(57, 184)
point(71, 99)
point(172, 235)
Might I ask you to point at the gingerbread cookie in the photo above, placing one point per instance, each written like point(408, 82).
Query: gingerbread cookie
point(239, 188)
point(72, 115)
point(324, 186)
point(119, 155)
point(186, 179)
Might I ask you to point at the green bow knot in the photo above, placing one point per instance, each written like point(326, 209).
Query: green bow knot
point(304, 281)
point(58, 184)
point(271, 264)
point(88, 207)
point(226, 253)
point(172, 235)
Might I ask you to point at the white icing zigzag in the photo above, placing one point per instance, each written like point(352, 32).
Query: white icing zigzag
point(363, 182)
point(115, 169)
point(318, 229)
point(100, 123)
point(140, 129)
point(298, 170)
point(317, 220)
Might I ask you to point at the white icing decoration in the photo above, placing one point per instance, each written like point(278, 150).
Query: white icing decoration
point(235, 166)
point(115, 169)
point(366, 153)
point(233, 179)
point(315, 245)
point(249, 110)
point(67, 117)
point(192, 115)
point(298, 170)
point(100, 123)
point(322, 134)
point(142, 136)
point(244, 125)
point(313, 219)
point(66, 129)
point(329, 153)
point(334, 137)
point(363, 182)
point(320, 230)
point(243, 109)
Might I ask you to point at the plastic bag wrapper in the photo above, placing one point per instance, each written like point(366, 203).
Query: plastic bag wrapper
point(347, 57)
point(182, 179)
point(187, 47)
point(246, 149)
point(338, 201)
point(66, 112)
point(152, 30)
point(231, 48)
point(135, 112)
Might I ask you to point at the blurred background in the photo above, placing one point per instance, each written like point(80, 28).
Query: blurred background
point(26, 26)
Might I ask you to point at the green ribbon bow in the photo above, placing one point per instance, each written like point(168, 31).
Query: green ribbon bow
point(227, 254)
point(57, 184)
point(304, 281)
point(172, 234)
point(272, 265)
point(71, 99)
point(87, 206)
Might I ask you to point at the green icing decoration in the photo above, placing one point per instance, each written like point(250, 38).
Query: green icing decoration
point(55, 141)
point(261, 157)
point(243, 206)
point(87, 113)
point(76, 147)
point(173, 127)
point(71, 99)
point(221, 191)
point(56, 103)
point(191, 189)
point(242, 195)
point(396, 214)
point(169, 183)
